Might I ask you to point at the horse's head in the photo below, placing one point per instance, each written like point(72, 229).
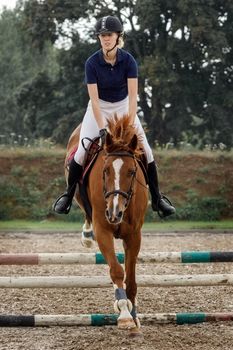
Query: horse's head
point(119, 173)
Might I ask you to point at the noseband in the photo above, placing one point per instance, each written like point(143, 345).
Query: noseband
point(129, 193)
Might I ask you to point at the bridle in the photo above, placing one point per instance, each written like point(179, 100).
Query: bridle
point(129, 193)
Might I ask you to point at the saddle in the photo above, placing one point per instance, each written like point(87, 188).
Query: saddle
point(92, 153)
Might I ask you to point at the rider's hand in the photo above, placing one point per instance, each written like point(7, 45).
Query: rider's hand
point(102, 135)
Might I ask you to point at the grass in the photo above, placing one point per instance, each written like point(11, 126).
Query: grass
point(44, 151)
point(19, 225)
point(179, 153)
point(32, 152)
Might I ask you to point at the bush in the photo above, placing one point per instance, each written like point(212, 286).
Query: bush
point(75, 215)
point(11, 196)
point(206, 209)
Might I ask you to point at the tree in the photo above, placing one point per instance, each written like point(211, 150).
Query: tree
point(184, 42)
point(184, 53)
point(18, 64)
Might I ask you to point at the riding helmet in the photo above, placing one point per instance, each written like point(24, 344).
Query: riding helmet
point(108, 24)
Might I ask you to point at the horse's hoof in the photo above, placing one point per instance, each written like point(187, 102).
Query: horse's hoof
point(87, 243)
point(125, 323)
point(135, 332)
point(87, 239)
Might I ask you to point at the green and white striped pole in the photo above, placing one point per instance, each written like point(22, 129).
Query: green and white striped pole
point(110, 319)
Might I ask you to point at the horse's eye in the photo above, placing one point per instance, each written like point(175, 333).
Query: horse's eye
point(130, 172)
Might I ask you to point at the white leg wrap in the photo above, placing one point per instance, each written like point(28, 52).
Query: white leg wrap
point(116, 308)
point(122, 306)
point(138, 324)
point(87, 237)
point(85, 229)
point(129, 304)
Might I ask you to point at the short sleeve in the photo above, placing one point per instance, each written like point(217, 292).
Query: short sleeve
point(132, 71)
point(90, 75)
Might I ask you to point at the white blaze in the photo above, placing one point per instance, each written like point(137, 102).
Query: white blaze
point(117, 164)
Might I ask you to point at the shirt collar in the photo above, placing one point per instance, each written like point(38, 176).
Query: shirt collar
point(102, 60)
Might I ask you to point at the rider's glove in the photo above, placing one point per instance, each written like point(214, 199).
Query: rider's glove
point(102, 135)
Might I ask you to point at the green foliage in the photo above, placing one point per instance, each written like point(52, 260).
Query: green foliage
point(17, 170)
point(19, 63)
point(197, 209)
point(75, 215)
point(11, 195)
point(28, 201)
point(205, 170)
point(175, 187)
point(19, 201)
point(187, 84)
point(37, 99)
point(201, 180)
point(206, 209)
point(33, 183)
point(184, 50)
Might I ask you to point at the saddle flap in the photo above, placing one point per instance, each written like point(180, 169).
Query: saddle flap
point(91, 155)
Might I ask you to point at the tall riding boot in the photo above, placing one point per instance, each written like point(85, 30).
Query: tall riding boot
point(64, 202)
point(160, 203)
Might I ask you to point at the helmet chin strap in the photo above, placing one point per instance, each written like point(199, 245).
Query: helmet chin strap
point(117, 41)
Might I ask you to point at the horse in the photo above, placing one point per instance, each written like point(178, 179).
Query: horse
point(118, 194)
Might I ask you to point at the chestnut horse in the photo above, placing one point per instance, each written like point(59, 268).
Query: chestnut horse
point(118, 195)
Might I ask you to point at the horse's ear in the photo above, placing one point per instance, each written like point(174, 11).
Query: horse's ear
point(133, 143)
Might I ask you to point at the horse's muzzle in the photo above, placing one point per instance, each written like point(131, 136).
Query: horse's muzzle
point(114, 218)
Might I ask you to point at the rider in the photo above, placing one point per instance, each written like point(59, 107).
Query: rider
point(111, 76)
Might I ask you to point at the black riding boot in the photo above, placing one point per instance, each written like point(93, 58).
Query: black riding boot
point(64, 202)
point(160, 203)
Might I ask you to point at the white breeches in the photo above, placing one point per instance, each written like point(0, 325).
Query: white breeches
point(90, 128)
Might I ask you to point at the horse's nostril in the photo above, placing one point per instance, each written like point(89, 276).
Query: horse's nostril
point(120, 214)
point(107, 212)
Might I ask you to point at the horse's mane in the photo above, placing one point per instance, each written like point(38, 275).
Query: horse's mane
point(122, 133)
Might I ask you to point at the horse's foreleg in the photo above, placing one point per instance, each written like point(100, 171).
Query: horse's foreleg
point(132, 247)
point(122, 304)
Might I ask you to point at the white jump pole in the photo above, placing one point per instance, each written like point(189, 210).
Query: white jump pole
point(104, 281)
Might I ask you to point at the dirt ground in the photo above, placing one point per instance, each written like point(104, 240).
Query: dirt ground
point(71, 301)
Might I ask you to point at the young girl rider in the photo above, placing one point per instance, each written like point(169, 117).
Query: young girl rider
point(112, 81)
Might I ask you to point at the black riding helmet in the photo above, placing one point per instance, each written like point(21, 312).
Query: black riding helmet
point(108, 24)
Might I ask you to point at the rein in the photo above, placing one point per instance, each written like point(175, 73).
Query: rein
point(93, 142)
point(129, 193)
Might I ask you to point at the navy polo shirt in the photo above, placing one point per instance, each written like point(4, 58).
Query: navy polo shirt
point(111, 80)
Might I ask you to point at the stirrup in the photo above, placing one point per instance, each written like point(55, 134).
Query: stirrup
point(66, 210)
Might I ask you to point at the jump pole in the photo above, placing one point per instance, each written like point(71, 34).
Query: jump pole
point(104, 281)
point(97, 258)
point(110, 319)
